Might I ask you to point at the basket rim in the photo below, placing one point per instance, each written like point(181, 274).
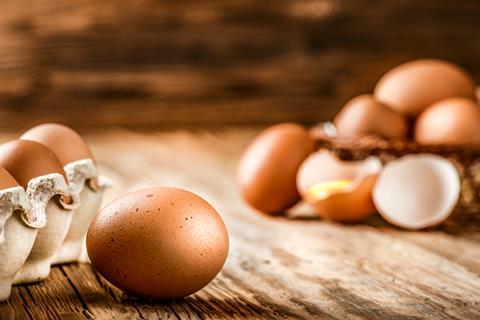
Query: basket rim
point(374, 144)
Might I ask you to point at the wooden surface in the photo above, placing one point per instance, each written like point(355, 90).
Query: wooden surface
point(158, 64)
point(299, 268)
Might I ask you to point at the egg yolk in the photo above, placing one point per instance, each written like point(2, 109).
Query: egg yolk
point(324, 189)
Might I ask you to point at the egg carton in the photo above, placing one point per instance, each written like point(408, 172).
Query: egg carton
point(37, 230)
point(466, 159)
point(50, 193)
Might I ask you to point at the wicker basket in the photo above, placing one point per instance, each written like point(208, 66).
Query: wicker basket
point(466, 159)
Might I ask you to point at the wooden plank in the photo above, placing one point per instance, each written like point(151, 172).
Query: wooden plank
point(53, 298)
point(282, 267)
point(213, 63)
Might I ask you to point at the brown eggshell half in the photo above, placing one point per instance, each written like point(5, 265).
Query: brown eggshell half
point(350, 204)
point(268, 168)
point(26, 160)
point(451, 121)
point(413, 86)
point(159, 243)
point(66, 143)
point(363, 115)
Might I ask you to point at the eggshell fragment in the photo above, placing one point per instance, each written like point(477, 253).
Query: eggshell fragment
point(268, 168)
point(38, 170)
point(363, 115)
point(413, 86)
point(451, 121)
point(16, 237)
point(81, 171)
point(159, 243)
point(338, 190)
point(417, 191)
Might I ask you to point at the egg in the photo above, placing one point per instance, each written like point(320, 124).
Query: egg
point(338, 190)
point(81, 171)
point(65, 142)
point(364, 115)
point(40, 173)
point(26, 160)
point(451, 121)
point(158, 243)
point(268, 168)
point(16, 237)
point(417, 191)
point(411, 87)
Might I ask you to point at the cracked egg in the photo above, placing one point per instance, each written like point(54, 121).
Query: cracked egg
point(338, 190)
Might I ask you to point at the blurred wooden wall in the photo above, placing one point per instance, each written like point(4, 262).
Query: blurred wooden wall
point(164, 64)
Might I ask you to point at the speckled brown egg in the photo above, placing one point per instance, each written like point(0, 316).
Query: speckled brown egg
point(159, 243)
point(363, 115)
point(26, 160)
point(66, 143)
point(268, 168)
point(449, 122)
point(413, 86)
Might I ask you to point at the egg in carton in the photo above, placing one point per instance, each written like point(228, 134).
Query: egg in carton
point(17, 230)
point(39, 172)
point(86, 187)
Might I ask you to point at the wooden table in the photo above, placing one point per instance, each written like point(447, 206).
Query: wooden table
point(277, 267)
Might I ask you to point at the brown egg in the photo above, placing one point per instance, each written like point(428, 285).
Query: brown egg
point(160, 243)
point(6, 180)
point(364, 115)
point(81, 169)
point(25, 160)
point(67, 144)
point(413, 86)
point(268, 168)
point(450, 122)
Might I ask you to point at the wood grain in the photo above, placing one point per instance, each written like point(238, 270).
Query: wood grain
point(300, 268)
point(163, 64)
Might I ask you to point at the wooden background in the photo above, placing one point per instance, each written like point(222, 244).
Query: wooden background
point(163, 64)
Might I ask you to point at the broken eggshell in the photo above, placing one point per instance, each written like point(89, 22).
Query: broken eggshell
point(338, 190)
point(82, 177)
point(16, 236)
point(417, 191)
point(39, 171)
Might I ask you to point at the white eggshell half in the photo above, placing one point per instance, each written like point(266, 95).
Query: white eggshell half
point(417, 191)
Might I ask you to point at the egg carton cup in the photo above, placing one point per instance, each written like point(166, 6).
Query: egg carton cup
point(52, 221)
point(86, 190)
point(466, 159)
point(16, 236)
